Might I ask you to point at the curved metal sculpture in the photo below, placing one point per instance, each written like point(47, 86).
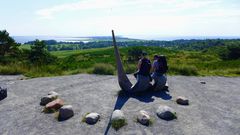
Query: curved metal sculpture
point(123, 80)
point(143, 82)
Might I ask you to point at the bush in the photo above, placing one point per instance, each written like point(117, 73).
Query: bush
point(231, 52)
point(7, 44)
point(103, 69)
point(39, 54)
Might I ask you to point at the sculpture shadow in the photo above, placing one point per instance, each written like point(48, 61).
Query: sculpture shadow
point(146, 97)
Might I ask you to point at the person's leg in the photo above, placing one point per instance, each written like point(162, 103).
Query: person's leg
point(160, 82)
point(165, 87)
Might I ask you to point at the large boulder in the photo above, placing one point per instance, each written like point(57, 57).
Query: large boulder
point(65, 112)
point(182, 100)
point(92, 118)
point(55, 104)
point(47, 99)
point(3, 92)
point(166, 112)
point(143, 117)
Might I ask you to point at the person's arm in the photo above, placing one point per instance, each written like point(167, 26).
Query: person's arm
point(153, 66)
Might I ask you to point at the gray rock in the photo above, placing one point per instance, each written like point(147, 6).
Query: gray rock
point(143, 117)
point(92, 118)
point(53, 93)
point(47, 99)
point(117, 115)
point(182, 100)
point(166, 112)
point(3, 92)
point(118, 120)
point(65, 112)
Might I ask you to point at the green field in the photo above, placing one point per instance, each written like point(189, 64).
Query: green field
point(193, 63)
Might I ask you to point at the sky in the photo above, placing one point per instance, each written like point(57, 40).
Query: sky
point(127, 17)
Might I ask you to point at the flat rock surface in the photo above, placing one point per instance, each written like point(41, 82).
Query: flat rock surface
point(214, 107)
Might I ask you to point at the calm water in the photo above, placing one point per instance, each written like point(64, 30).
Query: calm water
point(24, 39)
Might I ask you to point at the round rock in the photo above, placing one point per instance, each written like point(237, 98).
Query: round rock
point(53, 93)
point(3, 92)
point(92, 118)
point(143, 117)
point(47, 99)
point(166, 112)
point(65, 112)
point(117, 115)
point(182, 100)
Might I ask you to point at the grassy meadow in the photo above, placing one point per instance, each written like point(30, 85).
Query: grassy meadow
point(102, 61)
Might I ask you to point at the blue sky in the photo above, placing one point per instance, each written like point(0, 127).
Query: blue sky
point(126, 17)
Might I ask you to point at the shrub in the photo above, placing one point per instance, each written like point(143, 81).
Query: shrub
point(7, 44)
point(39, 54)
point(103, 69)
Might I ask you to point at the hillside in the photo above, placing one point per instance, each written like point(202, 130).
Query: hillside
point(213, 110)
point(181, 62)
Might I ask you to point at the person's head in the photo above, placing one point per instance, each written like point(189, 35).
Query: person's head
point(155, 57)
point(161, 58)
point(144, 54)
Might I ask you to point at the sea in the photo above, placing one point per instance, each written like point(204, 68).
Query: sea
point(24, 39)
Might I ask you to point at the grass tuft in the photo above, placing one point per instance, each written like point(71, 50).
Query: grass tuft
point(48, 110)
point(117, 124)
point(103, 69)
point(84, 117)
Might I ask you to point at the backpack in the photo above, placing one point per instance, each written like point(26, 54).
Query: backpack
point(145, 67)
point(163, 67)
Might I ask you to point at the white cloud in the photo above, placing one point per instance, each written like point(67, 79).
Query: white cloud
point(160, 5)
point(129, 17)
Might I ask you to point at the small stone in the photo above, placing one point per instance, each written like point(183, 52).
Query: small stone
point(55, 104)
point(118, 119)
point(92, 118)
point(117, 114)
point(53, 93)
point(203, 82)
point(65, 112)
point(165, 112)
point(47, 99)
point(182, 100)
point(143, 117)
point(3, 93)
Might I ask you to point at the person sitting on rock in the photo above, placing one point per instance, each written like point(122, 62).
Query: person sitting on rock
point(143, 74)
point(159, 70)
